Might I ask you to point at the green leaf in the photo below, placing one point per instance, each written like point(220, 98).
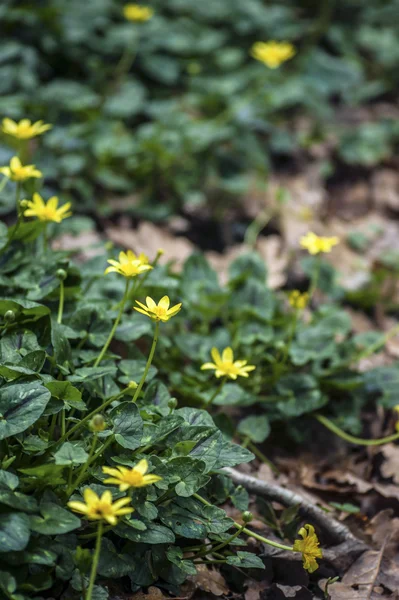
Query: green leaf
point(14, 532)
point(301, 393)
point(65, 391)
point(154, 534)
point(24, 308)
point(70, 454)
point(245, 560)
point(54, 520)
point(61, 345)
point(85, 374)
point(128, 425)
point(134, 370)
point(256, 428)
point(21, 405)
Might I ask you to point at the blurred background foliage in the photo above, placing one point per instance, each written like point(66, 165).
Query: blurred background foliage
point(175, 113)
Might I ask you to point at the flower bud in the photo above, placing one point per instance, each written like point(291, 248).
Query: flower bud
point(279, 345)
point(247, 516)
point(132, 385)
point(24, 203)
point(9, 316)
point(61, 274)
point(97, 423)
point(172, 403)
point(160, 252)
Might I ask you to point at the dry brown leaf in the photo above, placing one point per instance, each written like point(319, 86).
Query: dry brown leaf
point(221, 262)
point(390, 466)
point(385, 189)
point(385, 528)
point(210, 580)
point(149, 238)
point(272, 251)
point(364, 578)
point(87, 244)
point(153, 593)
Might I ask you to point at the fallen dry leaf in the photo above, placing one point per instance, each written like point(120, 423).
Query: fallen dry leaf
point(390, 466)
point(275, 256)
point(210, 580)
point(385, 189)
point(366, 578)
point(86, 244)
point(149, 238)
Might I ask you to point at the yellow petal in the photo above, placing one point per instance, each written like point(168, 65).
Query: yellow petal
point(78, 507)
point(141, 467)
point(215, 355)
point(150, 303)
point(227, 355)
point(208, 365)
point(164, 302)
point(90, 496)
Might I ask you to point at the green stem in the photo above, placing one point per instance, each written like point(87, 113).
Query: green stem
point(115, 325)
point(262, 457)
point(96, 558)
point(207, 403)
point(63, 424)
point(149, 361)
point(91, 414)
point(222, 544)
point(248, 532)
point(83, 470)
point(379, 344)
point(61, 304)
point(315, 278)
point(352, 439)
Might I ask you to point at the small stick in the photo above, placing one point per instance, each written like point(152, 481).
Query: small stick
point(338, 532)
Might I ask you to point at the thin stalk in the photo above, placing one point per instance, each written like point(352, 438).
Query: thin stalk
point(63, 424)
point(207, 404)
point(149, 361)
point(351, 438)
point(96, 558)
point(262, 457)
point(248, 532)
point(253, 230)
point(61, 304)
point(91, 414)
point(315, 278)
point(115, 325)
point(222, 544)
point(83, 470)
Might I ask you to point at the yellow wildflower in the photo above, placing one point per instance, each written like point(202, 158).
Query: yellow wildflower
point(309, 547)
point(130, 478)
point(160, 311)
point(315, 244)
point(46, 212)
point(25, 129)
point(98, 509)
point(129, 265)
point(225, 365)
point(272, 54)
point(298, 300)
point(19, 172)
point(137, 12)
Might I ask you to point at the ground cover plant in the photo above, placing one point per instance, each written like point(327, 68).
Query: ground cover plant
point(101, 385)
point(177, 106)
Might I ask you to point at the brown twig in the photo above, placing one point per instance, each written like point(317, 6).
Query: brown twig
point(338, 532)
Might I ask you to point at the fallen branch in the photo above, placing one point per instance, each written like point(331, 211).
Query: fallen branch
point(338, 532)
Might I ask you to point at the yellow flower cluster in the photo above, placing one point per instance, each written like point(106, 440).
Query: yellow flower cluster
point(226, 366)
point(103, 508)
point(137, 12)
point(25, 129)
point(16, 171)
point(315, 244)
point(309, 548)
point(129, 265)
point(272, 54)
point(297, 300)
point(46, 211)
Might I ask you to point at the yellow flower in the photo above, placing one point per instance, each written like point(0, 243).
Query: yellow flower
point(309, 547)
point(46, 212)
point(129, 265)
point(272, 54)
point(137, 12)
point(298, 300)
point(130, 478)
point(225, 365)
point(25, 129)
point(160, 311)
point(315, 244)
point(98, 509)
point(18, 172)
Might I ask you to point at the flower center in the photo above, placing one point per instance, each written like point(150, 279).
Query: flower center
point(229, 368)
point(133, 478)
point(103, 509)
point(160, 311)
